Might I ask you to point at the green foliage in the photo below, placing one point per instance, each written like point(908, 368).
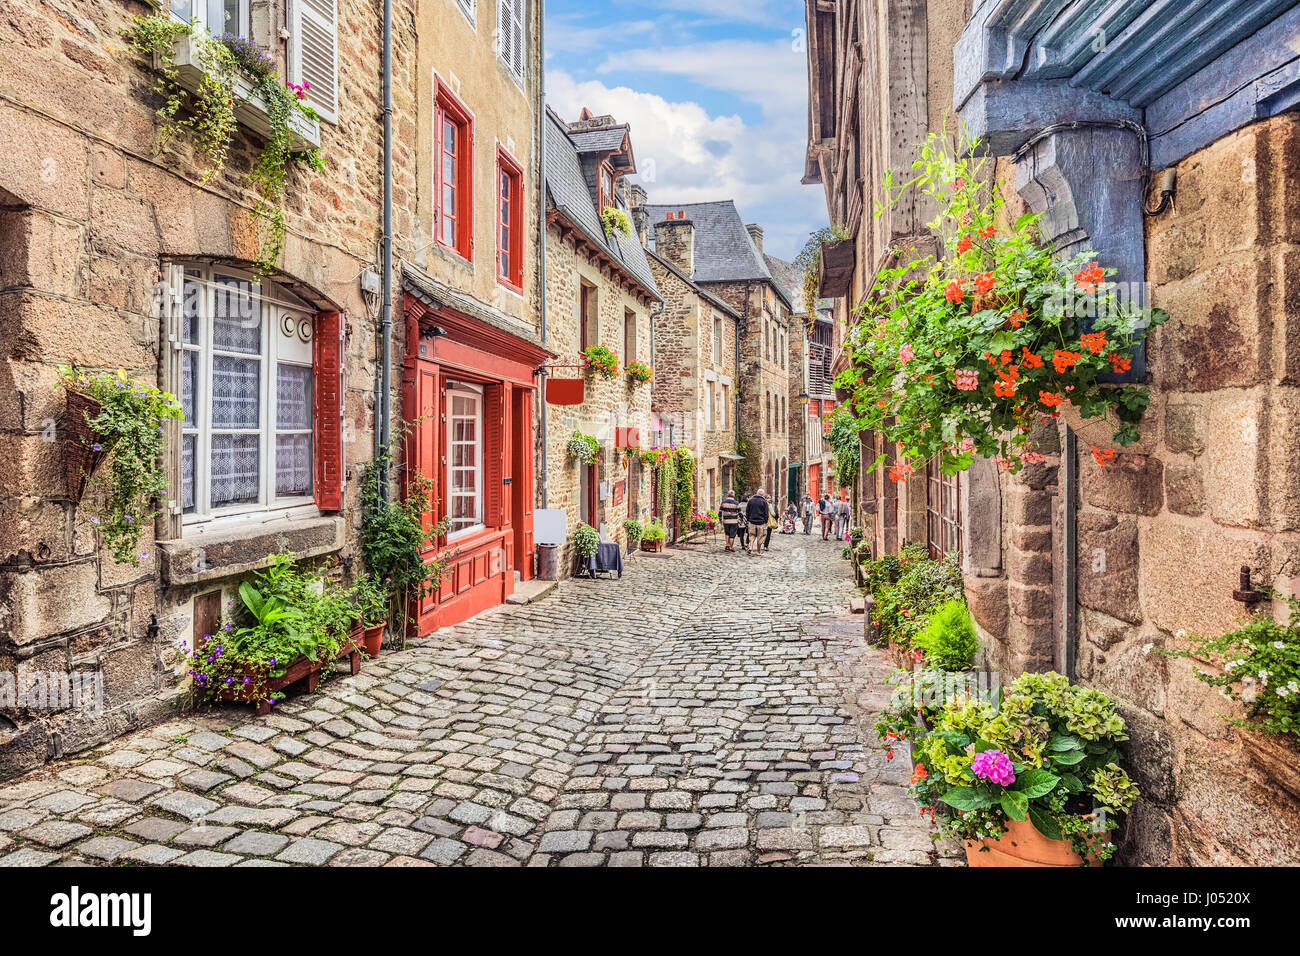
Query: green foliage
point(615, 220)
point(286, 612)
point(1261, 671)
point(601, 361)
point(749, 467)
point(685, 493)
point(396, 533)
point(585, 540)
point(963, 353)
point(634, 530)
point(638, 372)
point(666, 483)
point(654, 531)
point(584, 449)
point(808, 261)
point(907, 588)
point(211, 113)
point(949, 638)
point(1062, 742)
point(369, 596)
point(129, 428)
point(845, 445)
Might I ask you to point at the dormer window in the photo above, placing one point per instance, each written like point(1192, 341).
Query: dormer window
point(606, 186)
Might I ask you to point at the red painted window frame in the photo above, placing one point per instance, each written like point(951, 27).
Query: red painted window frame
point(509, 169)
point(448, 106)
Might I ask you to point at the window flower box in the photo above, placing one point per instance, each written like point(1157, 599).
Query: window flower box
point(250, 107)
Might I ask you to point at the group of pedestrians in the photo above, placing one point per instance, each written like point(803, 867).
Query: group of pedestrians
point(752, 519)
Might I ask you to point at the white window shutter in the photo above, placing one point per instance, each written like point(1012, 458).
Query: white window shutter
point(517, 31)
point(315, 54)
point(171, 308)
point(510, 30)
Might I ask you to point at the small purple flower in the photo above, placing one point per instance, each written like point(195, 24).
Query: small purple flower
point(130, 520)
point(94, 521)
point(272, 661)
point(247, 680)
point(993, 766)
point(97, 447)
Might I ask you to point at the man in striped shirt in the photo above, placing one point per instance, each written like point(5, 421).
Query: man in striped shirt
point(729, 512)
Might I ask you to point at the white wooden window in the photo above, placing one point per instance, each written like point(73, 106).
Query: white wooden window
point(314, 53)
point(717, 341)
point(464, 459)
point(246, 390)
point(511, 44)
point(470, 9)
point(722, 410)
point(216, 16)
point(708, 405)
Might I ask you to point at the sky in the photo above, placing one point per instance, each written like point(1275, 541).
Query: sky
point(716, 95)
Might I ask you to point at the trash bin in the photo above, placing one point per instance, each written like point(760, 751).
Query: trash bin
point(548, 562)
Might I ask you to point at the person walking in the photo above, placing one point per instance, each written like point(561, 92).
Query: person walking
point(730, 514)
point(824, 512)
point(772, 523)
point(807, 507)
point(757, 514)
point(742, 530)
point(843, 513)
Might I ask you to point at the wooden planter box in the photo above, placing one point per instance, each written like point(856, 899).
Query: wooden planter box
point(250, 108)
point(652, 545)
point(80, 458)
point(299, 670)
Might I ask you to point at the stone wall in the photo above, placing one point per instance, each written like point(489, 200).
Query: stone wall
point(1163, 531)
point(608, 405)
point(89, 208)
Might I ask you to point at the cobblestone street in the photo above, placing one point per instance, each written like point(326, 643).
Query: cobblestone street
point(707, 709)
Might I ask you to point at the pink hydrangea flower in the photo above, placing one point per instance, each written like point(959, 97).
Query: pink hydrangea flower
point(993, 766)
point(967, 380)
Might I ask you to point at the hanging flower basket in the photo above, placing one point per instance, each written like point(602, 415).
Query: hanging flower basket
point(602, 361)
point(84, 449)
point(638, 373)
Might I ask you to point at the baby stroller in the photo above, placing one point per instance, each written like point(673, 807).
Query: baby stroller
point(787, 523)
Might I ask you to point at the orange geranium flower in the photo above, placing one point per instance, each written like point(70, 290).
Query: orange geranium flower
point(1064, 359)
point(1030, 359)
point(1119, 363)
point(954, 292)
point(1017, 318)
point(1004, 389)
point(1089, 277)
point(1094, 342)
point(984, 282)
point(964, 244)
point(1104, 456)
point(988, 232)
point(1050, 399)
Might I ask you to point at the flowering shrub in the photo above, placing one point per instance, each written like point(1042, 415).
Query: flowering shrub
point(585, 541)
point(615, 220)
point(638, 372)
point(704, 522)
point(601, 361)
point(129, 429)
point(962, 355)
point(1047, 752)
point(907, 588)
point(584, 449)
point(1261, 670)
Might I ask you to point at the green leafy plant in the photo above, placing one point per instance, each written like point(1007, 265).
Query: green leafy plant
point(654, 532)
point(130, 430)
point(949, 639)
point(585, 541)
point(908, 588)
point(808, 262)
point(638, 372)
point(962, 354)
point(1047, 752)
point(1260, 670)
point(845, 444)
point(370, 598)
point(397, 534)
point(601, 361)
point(615, 220)
point(634, 530)
point(685, 490)
point(584, 449)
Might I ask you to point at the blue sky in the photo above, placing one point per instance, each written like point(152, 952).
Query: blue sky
point(715, 90)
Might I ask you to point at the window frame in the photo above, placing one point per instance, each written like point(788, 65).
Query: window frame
point(470, 9)
point(607, 199)
point(943, 531)
point(270, 358)
point(509, 169)
point(629, 336)
point(519, 17)
point(199, 16)
point(448, 107)
point(479, 396)
point(588, 313)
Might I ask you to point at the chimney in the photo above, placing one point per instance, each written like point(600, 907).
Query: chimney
point(636, 200)
point(756, 233)
point(675, 241)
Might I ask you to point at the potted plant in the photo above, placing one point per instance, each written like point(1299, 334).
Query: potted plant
point(1032, 779)
point(601, 360)
point(638, 373)
point(652, 538)
point(615, 221)
point(122, 420)
point(585, 542)
point(584, 449)
point(370, 599)
point(634, 530)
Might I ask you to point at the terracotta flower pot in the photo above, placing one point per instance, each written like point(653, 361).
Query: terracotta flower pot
point(374, 638)
point(1022, 845)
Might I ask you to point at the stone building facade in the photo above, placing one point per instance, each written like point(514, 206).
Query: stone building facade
point(104, 239)
point(1090, 570)
point(729, 264)
point(600, 290)
point(695, 364)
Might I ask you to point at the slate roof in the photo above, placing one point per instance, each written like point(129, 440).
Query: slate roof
point(724, 251)
point(788, 277)
point(568, 191)
point(598, 139)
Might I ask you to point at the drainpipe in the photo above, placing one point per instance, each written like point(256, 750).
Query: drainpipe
point(384, 429)
point(1070, 546)
point(541, 222)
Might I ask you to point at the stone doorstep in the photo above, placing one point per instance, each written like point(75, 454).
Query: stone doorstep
point(527, 592)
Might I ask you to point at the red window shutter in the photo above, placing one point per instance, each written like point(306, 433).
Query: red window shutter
point(327, 409)
point(494, 456)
